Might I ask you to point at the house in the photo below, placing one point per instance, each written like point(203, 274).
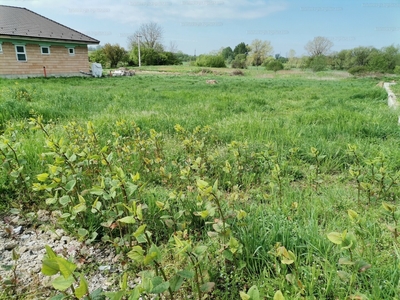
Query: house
point(33, 45)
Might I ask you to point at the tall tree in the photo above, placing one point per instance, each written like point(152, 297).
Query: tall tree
point(114, 53)
point(227, 53)
point(150, 36)
point(241, 48)
point(319, 46)
point(259, 50)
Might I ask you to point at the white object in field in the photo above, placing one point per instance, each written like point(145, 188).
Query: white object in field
point(392, 101)
point(118, 73)
point(97, 70)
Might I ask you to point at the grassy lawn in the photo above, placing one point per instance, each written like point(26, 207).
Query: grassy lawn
point(286, 181)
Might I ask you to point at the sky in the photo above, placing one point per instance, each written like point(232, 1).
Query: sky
point(204, 26)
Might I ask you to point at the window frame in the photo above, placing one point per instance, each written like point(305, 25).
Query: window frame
point(45, 47)
point(1, 47)
point(21, 53)
point(71, 53)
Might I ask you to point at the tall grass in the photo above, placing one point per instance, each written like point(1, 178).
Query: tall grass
point(257, 123)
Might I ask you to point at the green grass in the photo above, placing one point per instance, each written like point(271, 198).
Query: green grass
point(281, 117)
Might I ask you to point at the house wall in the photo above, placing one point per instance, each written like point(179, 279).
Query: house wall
point(58, 63)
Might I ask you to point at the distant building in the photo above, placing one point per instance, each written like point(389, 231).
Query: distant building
point(33, 45)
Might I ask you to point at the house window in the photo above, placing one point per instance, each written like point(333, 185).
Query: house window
point(21, 52)
point(1, 48)
point(71, 51)
point(45, 49)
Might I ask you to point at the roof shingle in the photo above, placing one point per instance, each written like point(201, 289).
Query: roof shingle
point(22, 22)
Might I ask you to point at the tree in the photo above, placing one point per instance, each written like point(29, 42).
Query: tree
point(274, 65)
point(239, 62)
point(318, 63)
point(318, 46)
point(282, 59)
point(114, 53)
point(210, 60)
point(227, 53)
point(360, 56)
point(392, 55)
point(151, 57)
point(259, 51)
point(150, 36)
point(98, 56)
point(241, 48)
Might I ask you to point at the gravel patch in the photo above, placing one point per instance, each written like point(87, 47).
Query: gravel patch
point(29, 242)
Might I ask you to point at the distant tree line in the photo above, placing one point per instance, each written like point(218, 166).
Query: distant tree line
point(148, 37)
point(259, 53)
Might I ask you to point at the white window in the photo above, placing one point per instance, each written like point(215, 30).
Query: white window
point(1, 48)
point(45, 50)
point(71, 51)
point(21, 52)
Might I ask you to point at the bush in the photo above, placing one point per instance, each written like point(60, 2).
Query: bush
point(213, 61)
point(358, 70)
point(318, 63)
point(274, 65)
point(98, 56)
point(239, 62)
point(397, 70)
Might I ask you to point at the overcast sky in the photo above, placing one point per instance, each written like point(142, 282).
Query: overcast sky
point(207, 25)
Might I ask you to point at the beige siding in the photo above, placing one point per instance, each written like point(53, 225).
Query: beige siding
point(58, 62)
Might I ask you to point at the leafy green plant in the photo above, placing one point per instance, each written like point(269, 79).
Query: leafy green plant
point(10, 284)
point(348, 242)
point(391, 210)
point(274, 65)
point(252, 294)
point(69, 283)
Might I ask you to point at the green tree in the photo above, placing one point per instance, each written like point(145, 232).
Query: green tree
point(392, 56)
point(274, 65)
point(378, 62)
point(209, 60)
point(227, 53)
point(259, 51)
point(98, 56)
point(281, 58)
point(114, 53)
point(360, 56)
point(318, 63)
point(239, 62)
point(183, 57)
point(241, 48)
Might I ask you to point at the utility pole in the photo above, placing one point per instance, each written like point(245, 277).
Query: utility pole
point(138, 41)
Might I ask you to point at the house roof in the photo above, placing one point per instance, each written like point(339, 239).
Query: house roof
point(24, 23)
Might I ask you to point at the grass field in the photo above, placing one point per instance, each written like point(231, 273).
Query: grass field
point(288, 182)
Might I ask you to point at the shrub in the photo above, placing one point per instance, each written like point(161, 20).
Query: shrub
point(397, 70)
point(239, 62)
point(318, 63)
point(358, 70)
point(98, 56)
point(274, 65)
point(214, 61)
